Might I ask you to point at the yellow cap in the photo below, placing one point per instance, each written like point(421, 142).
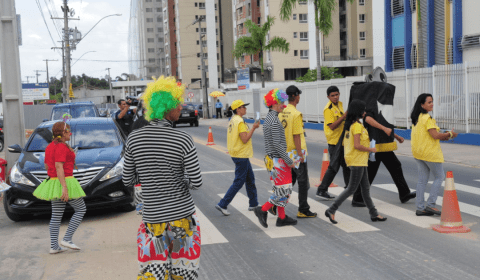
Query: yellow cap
point(237, 103)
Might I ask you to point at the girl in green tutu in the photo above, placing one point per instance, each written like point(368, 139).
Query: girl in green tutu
point(61, 187)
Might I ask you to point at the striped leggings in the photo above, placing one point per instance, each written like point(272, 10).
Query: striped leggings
point(58, 207)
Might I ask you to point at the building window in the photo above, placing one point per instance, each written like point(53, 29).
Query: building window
point(303, 54)
point(362, 36)
point(151, 60)
point(159, 10)
point(151, 40)
point(258, 5)
point(259, 20)
point(295, 53)
point(196, 4)
point(303, 36)
point(149, 10)
point(201, 5)
point(362, 53)
point(397, 8)
point(294, 34)
point(216, 19)
point(303, 18)
point(160, 50)
point(199, 67)
point(159, 19)
point(413, 5)
point(160, 29)
point(361, 2)
point(149, 19)
point(148, 1)
point(160, 40)
point(198, 42)
point(151, 69)
point(294, 16)
point(398, 58)
point(302, 2)
point(151, 50)
point(361, 18)
point(149, 30)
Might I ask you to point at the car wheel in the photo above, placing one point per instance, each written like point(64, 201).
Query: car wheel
point(196, 123)
point(1, 145)
point(174, 124)
point(12, 216)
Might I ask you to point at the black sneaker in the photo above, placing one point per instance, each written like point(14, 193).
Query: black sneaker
point(273, 210)
point(286, 222)
point(423, 213)
point(325, 196)
point(262, 216)
point(306, 214)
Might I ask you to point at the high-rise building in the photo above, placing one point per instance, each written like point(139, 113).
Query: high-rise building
point(349, 46)
point(147, 39)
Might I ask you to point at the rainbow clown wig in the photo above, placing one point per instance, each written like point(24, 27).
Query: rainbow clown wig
point(161, 96)
point(275, 96)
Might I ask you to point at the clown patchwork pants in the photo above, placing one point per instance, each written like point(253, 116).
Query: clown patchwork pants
point(281, 178)
point(169, 250)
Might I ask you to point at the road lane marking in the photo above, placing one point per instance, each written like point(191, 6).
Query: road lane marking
point(240, 202)
point(464, 207)
point(229, 171)
point(463, 188)
point(345, 222)
point(396, 212)
point(209, 233)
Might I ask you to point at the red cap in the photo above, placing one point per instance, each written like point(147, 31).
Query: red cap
point(449, 174)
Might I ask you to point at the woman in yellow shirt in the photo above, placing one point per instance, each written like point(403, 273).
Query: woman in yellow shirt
point(427, 152)
point(356, 144)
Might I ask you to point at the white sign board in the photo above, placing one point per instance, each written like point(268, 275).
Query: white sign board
point(33, 92)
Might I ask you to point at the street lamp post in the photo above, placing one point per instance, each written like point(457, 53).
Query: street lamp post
point(83, 37)
point(81, 57)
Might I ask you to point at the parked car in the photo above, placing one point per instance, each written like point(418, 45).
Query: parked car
point(198, 107)
point(188, 115)
point(2, 136)
point(75, 109)
point(99, 168)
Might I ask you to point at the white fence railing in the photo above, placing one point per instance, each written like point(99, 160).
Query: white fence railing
point(455, 89)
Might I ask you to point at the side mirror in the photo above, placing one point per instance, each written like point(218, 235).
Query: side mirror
point(45, 120)
point(16, 149)
point(103, 115)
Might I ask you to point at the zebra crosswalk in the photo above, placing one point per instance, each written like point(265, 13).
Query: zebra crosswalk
point(212, 235)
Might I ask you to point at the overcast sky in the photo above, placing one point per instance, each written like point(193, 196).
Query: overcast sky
point(109, 39)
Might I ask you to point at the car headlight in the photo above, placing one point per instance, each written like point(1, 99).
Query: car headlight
point(17, 177)
point(116, 171)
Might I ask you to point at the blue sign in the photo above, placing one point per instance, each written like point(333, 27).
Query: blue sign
point(32, 92)
point(243, 78)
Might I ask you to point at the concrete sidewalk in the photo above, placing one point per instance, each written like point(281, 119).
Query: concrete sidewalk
point(467, 155)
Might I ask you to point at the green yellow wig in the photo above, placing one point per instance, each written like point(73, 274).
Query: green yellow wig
point(161, 96)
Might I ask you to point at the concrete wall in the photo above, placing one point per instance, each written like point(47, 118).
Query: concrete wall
point(470, 12)
point(34, 114)
point(97, 96)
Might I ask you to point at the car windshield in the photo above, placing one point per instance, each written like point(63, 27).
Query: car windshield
point(86, 136)
point(188, 107)
point(57, 113)
point(83, 111)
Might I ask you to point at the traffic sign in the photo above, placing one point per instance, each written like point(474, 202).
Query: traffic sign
point(191, 95)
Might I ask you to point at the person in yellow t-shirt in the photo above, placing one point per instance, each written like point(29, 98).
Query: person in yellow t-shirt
point(356, 143)
point(427, 153)
point(333, 127)
point(292, 121)
point(240, 148)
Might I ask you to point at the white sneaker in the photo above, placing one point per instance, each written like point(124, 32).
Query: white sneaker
point(224, 211)
point(52, 251)
point(69, 244)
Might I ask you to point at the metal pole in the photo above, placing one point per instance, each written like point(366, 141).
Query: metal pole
point(434, 93)
point(67, 48)
point(467, 99)
point(206, 114)
point(64, 85)
point(407, 96)
point(110, 84)
point(11, 80)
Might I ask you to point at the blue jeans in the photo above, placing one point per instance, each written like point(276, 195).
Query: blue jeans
point(424, 169)
point(243, 175)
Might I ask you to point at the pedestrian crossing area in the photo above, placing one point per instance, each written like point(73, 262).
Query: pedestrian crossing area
point(211, 234)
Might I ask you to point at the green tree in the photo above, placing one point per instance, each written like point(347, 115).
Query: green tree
point(323, 19)
point(327, 74)
point(257, 42)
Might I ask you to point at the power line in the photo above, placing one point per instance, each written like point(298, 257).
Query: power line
point(54, 23)
point(41, 11)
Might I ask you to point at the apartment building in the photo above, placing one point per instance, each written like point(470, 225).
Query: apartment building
point(424, 33)
point(299, 32)
point(349, 46)
point(146, 39)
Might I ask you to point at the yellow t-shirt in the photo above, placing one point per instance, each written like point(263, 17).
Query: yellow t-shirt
point(331, 114)
point(354, 157)
point(236, 148)
point(292, 121)
point(424, 146)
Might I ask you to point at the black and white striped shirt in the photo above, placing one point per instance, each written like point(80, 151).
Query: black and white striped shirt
point(161, 157)
point(274, 137)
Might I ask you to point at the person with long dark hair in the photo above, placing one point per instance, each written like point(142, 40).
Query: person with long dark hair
point(356, 143)
point(427, 152)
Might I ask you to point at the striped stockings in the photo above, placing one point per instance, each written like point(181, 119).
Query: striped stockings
point(58, 207)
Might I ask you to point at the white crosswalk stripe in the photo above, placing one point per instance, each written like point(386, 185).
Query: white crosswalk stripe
point(396, 212)
point(209, 233)
point(463, 188)
point(464, 207)
point(345, 222)
point(241, 204)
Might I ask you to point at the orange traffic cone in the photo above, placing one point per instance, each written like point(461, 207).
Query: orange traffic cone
point(451, 220)
point(325, 164)
point(210, 137)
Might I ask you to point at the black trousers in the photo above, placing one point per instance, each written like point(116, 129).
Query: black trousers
point(394, 167)
point(301, 174)
point(333, 170)
point(219, 112)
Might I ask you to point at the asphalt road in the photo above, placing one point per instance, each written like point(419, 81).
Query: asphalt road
point(237, 247)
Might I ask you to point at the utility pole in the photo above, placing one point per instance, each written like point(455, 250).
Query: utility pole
point(67, 46)
point(36, 71)
point(202, 61)
point(29, 77)
point(110, 84)
point(48, 77)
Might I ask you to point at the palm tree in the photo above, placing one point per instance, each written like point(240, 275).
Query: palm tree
point(257, 43)
point(323, 20)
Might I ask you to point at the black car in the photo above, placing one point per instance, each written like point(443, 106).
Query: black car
point(75, 109)
point(2, 136)
point(188, 115)
point(99, 163)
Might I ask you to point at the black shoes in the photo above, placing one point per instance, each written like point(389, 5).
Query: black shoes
point(286, 222)
point(434, 211)
point(306, 214)
point(273, 210)
point(262, 216)
point(423, 213)
point(408, 197)
point(325, 195)
point(330, 217)
point(377, 219)
point(358, 204)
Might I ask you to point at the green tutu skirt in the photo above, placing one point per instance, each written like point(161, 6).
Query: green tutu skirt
point(51, 189)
